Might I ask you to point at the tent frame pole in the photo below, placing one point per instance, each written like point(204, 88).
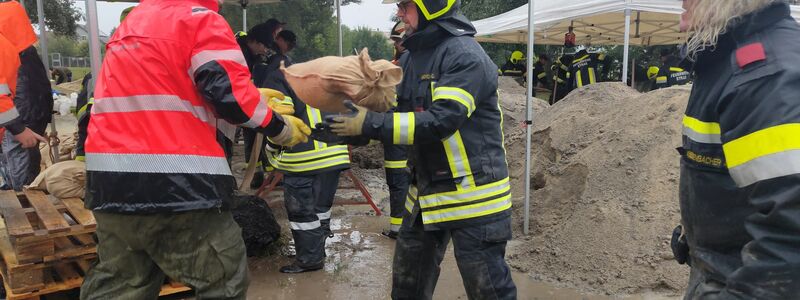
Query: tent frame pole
point(626, 51)
point(42, 34)
point(339, 23)
point(529, 118)
point(94, 42)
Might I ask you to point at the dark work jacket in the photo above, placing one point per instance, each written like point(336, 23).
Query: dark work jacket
point(671, 73)
point(740, 167)
point(34, 98)
point(309, 158)
point(449, 86)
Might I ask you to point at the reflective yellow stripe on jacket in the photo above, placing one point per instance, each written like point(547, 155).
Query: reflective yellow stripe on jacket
point(403, 128)
point(456, 94)
point(395, 164)
point(459, 162)
point(311, 160)
point(701, 132)
point(764, 154)
point(466, 203)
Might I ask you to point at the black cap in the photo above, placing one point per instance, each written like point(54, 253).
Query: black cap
point(289, 37)
point(262, 32)
point(666, 52)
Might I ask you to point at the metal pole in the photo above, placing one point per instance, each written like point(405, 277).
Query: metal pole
point(339, 22)
point(529, 119)
point(244, 18)
point(627, 45)
point(42, 34)
point(94, 41)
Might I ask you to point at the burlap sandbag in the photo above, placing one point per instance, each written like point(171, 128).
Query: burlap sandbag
point(325, 83)
point(66, 179)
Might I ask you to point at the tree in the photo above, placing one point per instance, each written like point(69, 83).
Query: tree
point(61, 16)
point(364, 37)
point(312, 21)
point(480, 9)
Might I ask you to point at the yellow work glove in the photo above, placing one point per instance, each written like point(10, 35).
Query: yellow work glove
point(275, 100)
point(294, 132)
point(350, 125)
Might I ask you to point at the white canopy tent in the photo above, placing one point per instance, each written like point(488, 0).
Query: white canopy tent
point(600, 22)
point(597, 22)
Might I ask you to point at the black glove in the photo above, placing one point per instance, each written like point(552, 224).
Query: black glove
point(322, 132)
point(680, 248)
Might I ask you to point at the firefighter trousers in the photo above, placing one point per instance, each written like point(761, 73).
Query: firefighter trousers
point(202, 249)
point(308, 200)
point(398, 181)
point(480, 256)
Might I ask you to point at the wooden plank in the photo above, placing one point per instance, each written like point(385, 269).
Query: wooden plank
point(85, 239)
point(51, 286)
point(6, 250)
point(82, 215)
point(43, 234)
point(168, 289)
point(85, 265)
point(66, 271)
point(17, 222)
point(8, 199)
point(50, 217)
point(14, 215)
point(33, 252)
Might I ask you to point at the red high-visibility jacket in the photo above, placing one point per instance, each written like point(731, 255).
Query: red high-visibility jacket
point(171, 69)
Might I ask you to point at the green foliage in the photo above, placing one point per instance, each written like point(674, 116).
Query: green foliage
point(313, 21)
point(67, 46)
point(61, 16)
point(364, 37)
point(480, 9)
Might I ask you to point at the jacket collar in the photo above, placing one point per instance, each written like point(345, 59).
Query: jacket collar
point(740, 30)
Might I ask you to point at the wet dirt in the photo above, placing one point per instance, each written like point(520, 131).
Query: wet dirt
point(359, 267)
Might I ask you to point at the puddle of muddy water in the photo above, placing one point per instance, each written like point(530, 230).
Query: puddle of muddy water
point(359, 267)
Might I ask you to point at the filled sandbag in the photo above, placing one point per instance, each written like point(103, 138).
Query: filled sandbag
point(325, 83)
point(66, 179)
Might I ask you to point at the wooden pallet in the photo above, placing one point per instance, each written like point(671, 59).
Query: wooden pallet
point(67, 276)
point(38, 232)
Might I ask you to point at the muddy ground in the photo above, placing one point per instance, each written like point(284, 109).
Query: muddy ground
point(591, 237)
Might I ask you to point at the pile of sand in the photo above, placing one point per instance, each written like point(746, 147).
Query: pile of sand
point(605, 174)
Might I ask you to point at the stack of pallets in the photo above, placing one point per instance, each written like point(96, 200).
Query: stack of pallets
point(47, 244)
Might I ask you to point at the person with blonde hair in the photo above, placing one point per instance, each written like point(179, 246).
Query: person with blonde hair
point(740, 165)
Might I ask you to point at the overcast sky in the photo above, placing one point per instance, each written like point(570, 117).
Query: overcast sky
point(370, 13)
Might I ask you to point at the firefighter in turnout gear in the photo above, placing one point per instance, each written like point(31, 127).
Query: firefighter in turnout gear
point(740, 170)
point(671, 73)
point(585, 67)
point(460, 186)
point(157, 181)
point(395, 157)
point(311, 176)
point(562, 78)
point(515, 66)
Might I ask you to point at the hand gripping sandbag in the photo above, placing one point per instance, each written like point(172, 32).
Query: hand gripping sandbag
point(325, 83)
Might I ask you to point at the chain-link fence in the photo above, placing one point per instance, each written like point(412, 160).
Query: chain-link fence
point(59, 61)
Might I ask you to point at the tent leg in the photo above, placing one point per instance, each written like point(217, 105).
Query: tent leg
point(244, 17)
point(42, 34)
point(339, 23)
point(94, 41)
point(529, 120)
point(627, 45)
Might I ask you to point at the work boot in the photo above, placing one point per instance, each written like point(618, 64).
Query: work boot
point(258, 180)
point(390, 234)
point(296, 268)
